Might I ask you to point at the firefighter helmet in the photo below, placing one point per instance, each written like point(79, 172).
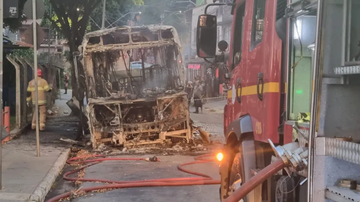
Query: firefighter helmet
point(39, 72)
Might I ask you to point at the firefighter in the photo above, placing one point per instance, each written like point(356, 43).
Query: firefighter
point(198, 91)
point(189, 91)
point(43, 87)
point(66, 81)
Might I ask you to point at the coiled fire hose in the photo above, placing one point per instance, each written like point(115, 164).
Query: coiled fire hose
point(187, 181)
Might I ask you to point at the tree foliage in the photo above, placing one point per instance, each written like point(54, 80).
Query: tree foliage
point(24, 53)
point(71, 19)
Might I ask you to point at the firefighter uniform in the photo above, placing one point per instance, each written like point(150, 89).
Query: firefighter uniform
point(43, 87)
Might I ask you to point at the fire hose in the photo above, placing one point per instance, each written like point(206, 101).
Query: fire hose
point(203, 179)
point(255, 181)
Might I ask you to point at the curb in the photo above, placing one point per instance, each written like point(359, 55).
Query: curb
point(14, 133)
point(44, 187)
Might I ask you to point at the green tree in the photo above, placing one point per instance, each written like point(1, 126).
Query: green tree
point(24, 53)
point(71, 19)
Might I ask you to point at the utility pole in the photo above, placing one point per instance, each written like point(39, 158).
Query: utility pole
point(49, 38)
point(76, 55)
point(162, 16)
point(1, 79)
point(103, 15)
point(36, 80)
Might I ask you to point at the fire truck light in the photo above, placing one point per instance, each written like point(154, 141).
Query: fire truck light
point(299, 92)
point(219, 156)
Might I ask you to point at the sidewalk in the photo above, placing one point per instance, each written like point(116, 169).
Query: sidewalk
point(26, 177)
point(216, 106)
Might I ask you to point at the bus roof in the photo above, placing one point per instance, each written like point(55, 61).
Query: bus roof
point(130, 37)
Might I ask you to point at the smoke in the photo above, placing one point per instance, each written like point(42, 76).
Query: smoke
point(160, 79)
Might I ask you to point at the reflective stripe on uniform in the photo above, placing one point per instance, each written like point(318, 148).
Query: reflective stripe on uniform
point(46, 88)
point(40, 102)
point(32, 89)
point(28, 99)
point(303, 117)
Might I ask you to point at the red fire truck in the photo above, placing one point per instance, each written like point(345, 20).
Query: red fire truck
point(290, 62)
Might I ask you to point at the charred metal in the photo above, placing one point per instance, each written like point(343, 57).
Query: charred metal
point(135, 90)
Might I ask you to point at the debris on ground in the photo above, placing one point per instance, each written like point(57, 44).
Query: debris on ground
point(205, 136)
point(74, 142)
point(199, 143)
point(49, 112)
point(177, 147)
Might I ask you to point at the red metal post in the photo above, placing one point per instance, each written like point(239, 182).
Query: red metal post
point(6, 119)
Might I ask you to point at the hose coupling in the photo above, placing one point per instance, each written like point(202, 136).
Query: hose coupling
point(153, 159)
point(294, 156)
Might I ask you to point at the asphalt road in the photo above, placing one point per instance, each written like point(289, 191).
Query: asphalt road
point(210, 120)
point(140, 170)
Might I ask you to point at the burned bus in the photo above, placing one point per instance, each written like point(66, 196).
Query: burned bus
point(135, 86)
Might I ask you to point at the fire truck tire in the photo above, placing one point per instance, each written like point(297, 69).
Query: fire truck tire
point(285, 189)
point(242, 163)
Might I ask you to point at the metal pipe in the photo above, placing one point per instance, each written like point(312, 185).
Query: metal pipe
point(18, 91)
point(344, 28)
point(36, 80)
point(59, 74)
point(49, 36)
point(314, 99)
point(348, 29)
point(1, 80)
point(24, 89)
point(255, 181)
point(103, 15)
point(288, 67)
point(143, 64)
point(75, 55)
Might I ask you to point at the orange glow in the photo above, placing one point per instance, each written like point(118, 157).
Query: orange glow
point(219, 156)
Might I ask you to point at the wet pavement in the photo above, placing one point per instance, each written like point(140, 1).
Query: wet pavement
point(59, 125)
point(140, 170)
point(22, 171)
point(210, 120)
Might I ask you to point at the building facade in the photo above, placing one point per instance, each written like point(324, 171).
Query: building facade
point(198, 67)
